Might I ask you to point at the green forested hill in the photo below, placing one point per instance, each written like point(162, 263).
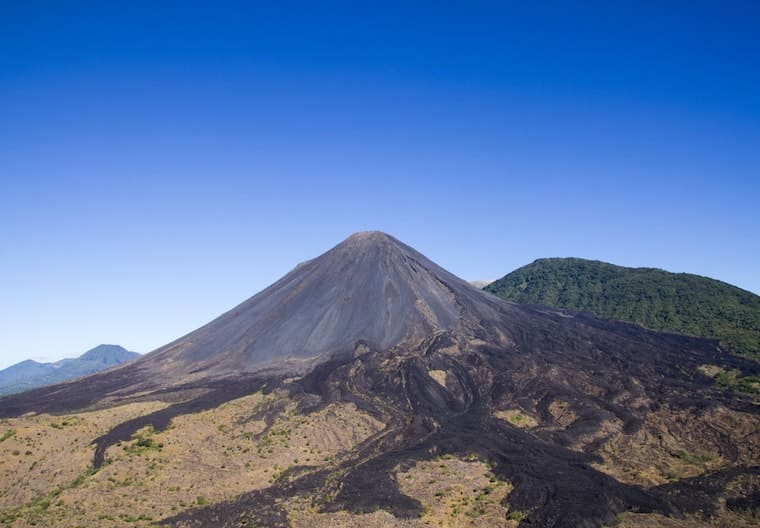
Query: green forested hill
point(657, 299)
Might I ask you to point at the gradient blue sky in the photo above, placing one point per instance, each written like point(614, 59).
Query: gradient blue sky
point(161, 162)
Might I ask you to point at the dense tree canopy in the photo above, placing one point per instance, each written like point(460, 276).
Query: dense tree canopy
point(660, 300)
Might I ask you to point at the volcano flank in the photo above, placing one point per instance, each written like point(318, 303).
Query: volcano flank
point(575, 420)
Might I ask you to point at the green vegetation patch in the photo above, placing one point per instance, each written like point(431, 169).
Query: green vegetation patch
point(732, 381)
point(33, 511)
point(670, 302)
point(143, 441)
point(7, 434)
point(695, 459)
point(518, 419)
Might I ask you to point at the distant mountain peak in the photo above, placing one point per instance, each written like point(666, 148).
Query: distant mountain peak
point(104, 351)
point(29, 374)
point(27, 362)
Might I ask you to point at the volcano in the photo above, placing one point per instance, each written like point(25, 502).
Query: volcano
point(581, 421)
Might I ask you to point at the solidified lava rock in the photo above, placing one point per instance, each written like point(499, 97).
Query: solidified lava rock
point(375, 323)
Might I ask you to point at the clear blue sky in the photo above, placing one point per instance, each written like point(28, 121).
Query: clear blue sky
point(161, 162)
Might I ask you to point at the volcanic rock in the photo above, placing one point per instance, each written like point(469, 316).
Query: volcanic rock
point(375, 324)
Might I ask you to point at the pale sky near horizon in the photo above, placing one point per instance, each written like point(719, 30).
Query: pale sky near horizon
point(160, 165)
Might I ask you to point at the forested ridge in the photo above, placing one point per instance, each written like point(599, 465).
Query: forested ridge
point(660, 300)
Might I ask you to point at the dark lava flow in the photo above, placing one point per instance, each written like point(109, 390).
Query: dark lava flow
point(555, 485)
point(366, 323)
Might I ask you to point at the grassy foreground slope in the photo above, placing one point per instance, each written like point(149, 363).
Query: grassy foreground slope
point(660, 300)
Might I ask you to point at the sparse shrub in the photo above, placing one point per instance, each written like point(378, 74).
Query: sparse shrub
point(7, 434)
point(698, 459)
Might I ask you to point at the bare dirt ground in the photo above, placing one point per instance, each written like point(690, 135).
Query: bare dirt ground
point(43, 454)
point(201, 458)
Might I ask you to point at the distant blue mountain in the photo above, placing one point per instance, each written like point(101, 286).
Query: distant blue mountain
point(30, 374)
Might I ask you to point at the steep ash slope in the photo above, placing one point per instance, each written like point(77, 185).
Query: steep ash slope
point(371, 287)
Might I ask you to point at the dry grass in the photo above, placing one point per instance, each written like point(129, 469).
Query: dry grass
point(201, 458)
point(674, 444)
point(454, 493)
point(562, 413)
point(711, 370)
point(46, 456)
point(46, 452)
point(517, 418)
point(727, 519)
point(302, 515)
point(439, 376)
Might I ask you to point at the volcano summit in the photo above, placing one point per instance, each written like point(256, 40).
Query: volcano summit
point(371, 387)
point(370, 291)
